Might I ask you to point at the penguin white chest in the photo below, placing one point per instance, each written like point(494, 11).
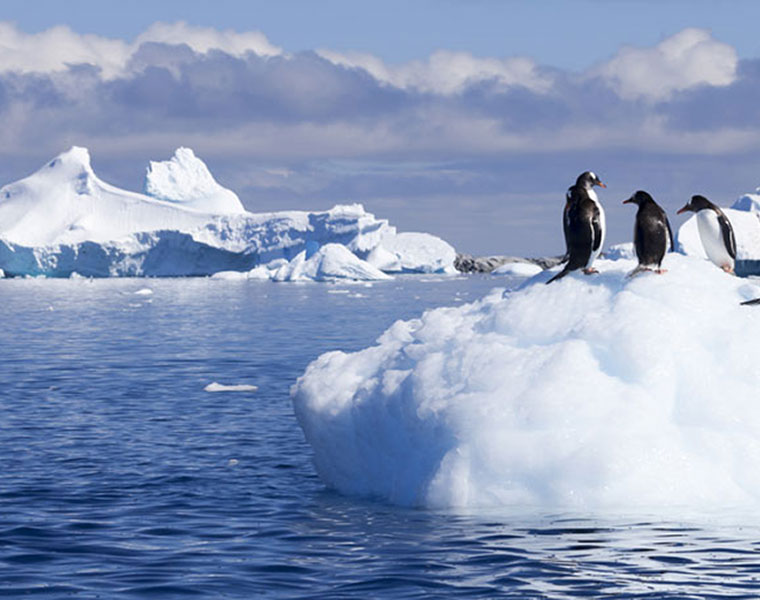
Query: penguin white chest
point(712, 238)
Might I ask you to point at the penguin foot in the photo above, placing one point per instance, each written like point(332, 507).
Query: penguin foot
point(728, 269)
point(660, 271)
point(590, 271)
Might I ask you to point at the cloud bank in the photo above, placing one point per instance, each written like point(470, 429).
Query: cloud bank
point(453, 127)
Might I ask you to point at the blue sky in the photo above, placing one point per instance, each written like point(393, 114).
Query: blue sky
point(465, 119)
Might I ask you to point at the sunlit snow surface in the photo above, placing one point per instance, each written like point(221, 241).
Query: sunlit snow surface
point(595, 392)
point(64, 220)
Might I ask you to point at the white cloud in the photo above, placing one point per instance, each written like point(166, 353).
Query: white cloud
point(446, 72)
point(56, 48)
point(203, 39)
point(685, 60)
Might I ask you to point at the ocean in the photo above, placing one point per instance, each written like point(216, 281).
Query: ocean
point(123, 477)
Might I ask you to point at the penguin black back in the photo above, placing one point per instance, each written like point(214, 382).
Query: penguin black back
point(652, 234)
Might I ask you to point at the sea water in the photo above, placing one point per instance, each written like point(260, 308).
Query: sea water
point(125, 475)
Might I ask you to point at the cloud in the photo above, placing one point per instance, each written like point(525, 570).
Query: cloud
point(451, 130)
point(447, 72)
point(58, 48)
point(688, 59)
point(204, 39)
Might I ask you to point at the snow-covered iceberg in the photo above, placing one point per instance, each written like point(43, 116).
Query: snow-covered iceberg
point(593, 393)
point(63, 219)
point(186, 180)
point(331, 262)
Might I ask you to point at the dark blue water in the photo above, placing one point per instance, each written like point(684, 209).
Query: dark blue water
point(122, 478)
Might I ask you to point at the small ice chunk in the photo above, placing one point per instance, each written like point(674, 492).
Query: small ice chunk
point(220, 387)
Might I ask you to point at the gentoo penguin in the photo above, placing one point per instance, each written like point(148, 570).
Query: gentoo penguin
point(652, 235)
point(715, 231)
point(584, 225)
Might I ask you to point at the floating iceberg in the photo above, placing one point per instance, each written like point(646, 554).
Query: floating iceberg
point(63, 220)
point(600, 392)
point(331, 262)
point(413, 253)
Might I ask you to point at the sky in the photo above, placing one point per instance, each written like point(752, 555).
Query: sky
point(465, 119)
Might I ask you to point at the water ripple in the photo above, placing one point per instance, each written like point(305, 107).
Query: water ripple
point(122, 478)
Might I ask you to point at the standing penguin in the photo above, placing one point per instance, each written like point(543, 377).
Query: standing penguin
point(652, 235)
point(715, 231)
point(584, 225)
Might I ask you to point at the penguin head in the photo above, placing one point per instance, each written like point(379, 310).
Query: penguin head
point(639, 198)
point(588, 179)
point(696, 204)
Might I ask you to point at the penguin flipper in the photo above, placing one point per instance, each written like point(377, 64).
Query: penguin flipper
point(750, 302)
point(728, 234)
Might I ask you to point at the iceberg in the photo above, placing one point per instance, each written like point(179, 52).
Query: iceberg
point(413, 253)
point(599, 393)
point(331, 262)
point(748, 202)
point(186, 180)
point(64, 220)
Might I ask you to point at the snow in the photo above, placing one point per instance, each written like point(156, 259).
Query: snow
point(625, 250)
point(413, 253)
point(748, 202)
point(66, 203)
point(328, 263)
point(595, 393)
point(185, 179)
point(517, 269)
point(63, 219)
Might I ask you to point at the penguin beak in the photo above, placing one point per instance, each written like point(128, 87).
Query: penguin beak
point(600, 184)
point(683, 210)
point(629, 201)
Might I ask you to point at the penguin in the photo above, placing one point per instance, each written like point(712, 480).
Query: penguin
point(584, 225)
point(652, 235)
point(715, 231)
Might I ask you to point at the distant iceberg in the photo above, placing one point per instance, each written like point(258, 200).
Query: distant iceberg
point(596, 393)
point(64, 220)
point(186, 180)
